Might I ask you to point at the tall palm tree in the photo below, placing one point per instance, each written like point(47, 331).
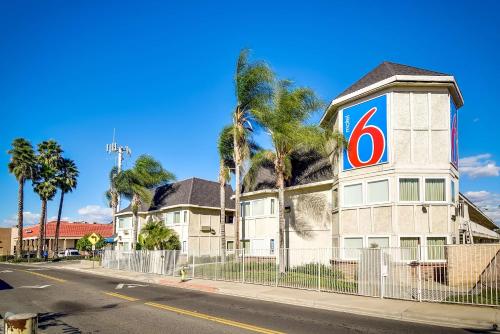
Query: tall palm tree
point(253, 88)
point(226, 165)
point(22, 165)
point(285, 123)
point(45, 182)
point(66, 179)
point(112, 195)
point(137, 184)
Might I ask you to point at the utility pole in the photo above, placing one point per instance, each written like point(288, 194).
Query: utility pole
point(120, 150)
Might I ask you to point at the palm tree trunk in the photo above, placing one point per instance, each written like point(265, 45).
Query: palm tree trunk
point(222, 184)
point(58, 224)
point(238, 189)
point(41, 236)
point(281, 217)
point(113, 210)
point(20, 209)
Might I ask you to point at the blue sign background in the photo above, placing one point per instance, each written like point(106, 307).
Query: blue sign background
point(351, 117)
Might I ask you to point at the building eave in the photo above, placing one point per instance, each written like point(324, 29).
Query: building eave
point(397, 80)
point(171, 207)
point(297, 187)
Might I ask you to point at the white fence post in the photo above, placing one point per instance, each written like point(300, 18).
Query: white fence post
point(381, 255)
point(243, 264)
point(173, 268)
point(192, 272)
point(319, 271)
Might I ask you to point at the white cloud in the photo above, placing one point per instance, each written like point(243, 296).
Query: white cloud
point(488, 202)
point(95, 213)
point(475, 120)
point(29, 218)
point(479, 165)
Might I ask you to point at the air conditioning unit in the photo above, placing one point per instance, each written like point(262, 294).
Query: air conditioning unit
point(125, 232)
point(206, 228)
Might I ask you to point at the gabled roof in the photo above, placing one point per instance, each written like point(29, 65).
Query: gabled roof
point(193, 191)
point(307, 167)
point(68, 229)
point(387, 70)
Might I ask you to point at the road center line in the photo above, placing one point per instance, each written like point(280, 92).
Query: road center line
point(214, 319)
point(119, 295)
point(60, 280)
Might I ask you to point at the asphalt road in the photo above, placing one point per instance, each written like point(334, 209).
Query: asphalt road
point(74, 302)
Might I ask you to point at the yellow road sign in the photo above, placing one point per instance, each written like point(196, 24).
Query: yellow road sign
point(93, 238)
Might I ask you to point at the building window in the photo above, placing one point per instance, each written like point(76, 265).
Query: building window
point(453, 194)
point(245, 209)
point(409, 248)
point(335, 198)
point(258, 207)
point(378, 191)
point(409, 190)
point(435, 190)
point(184, 216)
point(378, 242)
point(177, 217)
point(352, 246)
point(435, 248)
point(353, 194)
point(271, 246)
point(230, 245)
point(184, 246)
point(273, 204)
point(229, 219)
point(169, 218)
point(245, 244)
point(125, 223)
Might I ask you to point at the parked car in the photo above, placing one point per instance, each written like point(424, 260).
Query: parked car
point(68, 252)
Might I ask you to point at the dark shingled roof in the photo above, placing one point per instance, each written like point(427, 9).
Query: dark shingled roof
point(384, 71)
point(193, 191)
point(307, 167)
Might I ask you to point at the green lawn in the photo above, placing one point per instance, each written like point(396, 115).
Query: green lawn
point(486, 296)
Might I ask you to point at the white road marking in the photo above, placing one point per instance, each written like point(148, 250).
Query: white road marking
point(127, 285)
point(5, 271)
point(34, 286)
point(37, 269)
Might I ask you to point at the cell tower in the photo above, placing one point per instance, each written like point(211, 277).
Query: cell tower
point(113, 148)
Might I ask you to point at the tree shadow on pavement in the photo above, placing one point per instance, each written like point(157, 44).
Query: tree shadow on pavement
point(52, 320)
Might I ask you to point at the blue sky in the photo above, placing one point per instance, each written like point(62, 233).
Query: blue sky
point(161, 74)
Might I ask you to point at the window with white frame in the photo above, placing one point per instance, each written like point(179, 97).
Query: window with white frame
point(273, 206)
point(184, 246)
point(245, 209)
point(271, 246)
point(230, 245)
point(175, 217)
point(335, 198)
point(453, 191)
point(378, 242)
point(435, 248)
point(125, 222)
point(435, 190)
point(353, 194)
point(409, 190)
point(409, 248)
point(258, 208)
point(184, 216)
point(352, 246)
point(378, 191)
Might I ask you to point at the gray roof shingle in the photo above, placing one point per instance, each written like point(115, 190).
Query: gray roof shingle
point(386, 70)
point(193, 191)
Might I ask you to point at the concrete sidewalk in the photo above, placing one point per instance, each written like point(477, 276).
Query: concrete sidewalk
point(450, 315)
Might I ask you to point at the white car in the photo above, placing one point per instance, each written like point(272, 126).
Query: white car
point(69, 252)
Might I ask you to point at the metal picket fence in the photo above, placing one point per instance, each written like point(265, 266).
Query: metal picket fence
point(465, 274)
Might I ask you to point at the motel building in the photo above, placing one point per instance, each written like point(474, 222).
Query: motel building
point(191, 208)
point(397, 185)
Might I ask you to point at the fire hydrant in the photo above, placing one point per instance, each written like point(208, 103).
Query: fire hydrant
point(183, 274)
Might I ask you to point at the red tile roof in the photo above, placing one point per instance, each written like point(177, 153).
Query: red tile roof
point(70, 229)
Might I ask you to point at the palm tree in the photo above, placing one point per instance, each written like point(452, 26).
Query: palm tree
point(112, 195)
point(285, 123)
point(137, 184)
point(45, 182)
point(226, 165)
point(22, 165)
point(156, 236)
point(66, 178)
point(253, 88)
